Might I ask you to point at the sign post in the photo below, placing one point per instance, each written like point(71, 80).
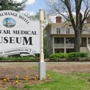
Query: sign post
point(19, 35)
point(42, 64)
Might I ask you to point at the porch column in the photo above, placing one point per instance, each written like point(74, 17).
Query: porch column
point(53, 46)
point(64, 44)
point(87, 40)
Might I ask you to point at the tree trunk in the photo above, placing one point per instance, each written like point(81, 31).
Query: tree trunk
point(77, 41)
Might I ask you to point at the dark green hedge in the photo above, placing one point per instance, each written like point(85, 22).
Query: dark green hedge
point(18, 58)
point(57, 56)
point(68, 56)
point(75, 55)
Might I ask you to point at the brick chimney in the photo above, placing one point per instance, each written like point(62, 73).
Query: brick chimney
point(58, 19)
point(88, 20)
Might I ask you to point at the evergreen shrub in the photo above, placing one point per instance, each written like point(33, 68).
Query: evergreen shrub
point(76, 55)
point(57, 56)
point(68, 56)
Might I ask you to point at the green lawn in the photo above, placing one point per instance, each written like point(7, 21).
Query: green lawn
point(73, 81)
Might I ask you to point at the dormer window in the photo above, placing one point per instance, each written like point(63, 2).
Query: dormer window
point(67, 30)
point(58, 30)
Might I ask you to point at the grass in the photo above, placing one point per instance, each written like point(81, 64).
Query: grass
point(73, 81)
point(11, 88)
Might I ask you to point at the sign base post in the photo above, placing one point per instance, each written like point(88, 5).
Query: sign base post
point(42, 70)
point(42, 64)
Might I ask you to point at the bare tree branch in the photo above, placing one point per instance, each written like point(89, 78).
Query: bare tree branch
point(70, 6)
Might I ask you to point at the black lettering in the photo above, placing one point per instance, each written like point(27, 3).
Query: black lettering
point(21, 17)
point(15, 32)
point(8, 32)
point(5, 32)
point(12, 39)
point(1, 52)
point(0, 32)
point(5, 13)
point(18, 40)
point(34, 32)
point(1, 39)
point(1, 14)
point(27, 41)
point(5, 39)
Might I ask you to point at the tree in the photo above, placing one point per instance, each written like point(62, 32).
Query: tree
point(66, 8)
point(12, 5)
point(36, 17)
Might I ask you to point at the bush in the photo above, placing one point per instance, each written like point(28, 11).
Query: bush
point(68, 56)
point(18, 58)
point(54, 56)
point(72, 56)
point(75, 55)
point(62, 55)
point(83, 54)
point(57, 56)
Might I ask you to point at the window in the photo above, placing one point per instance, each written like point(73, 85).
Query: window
point(69, 40)
point(59, 40)
point(69, 50)
point(88, 40)
point(59, 50)
point(83, 42)
point(67, 30)
point(58, 30)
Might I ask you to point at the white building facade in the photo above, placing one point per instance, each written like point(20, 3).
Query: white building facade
point(60, 37)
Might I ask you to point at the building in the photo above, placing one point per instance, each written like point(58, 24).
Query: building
point(60, 37)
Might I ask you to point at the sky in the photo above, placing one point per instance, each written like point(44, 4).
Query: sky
point(33, 6)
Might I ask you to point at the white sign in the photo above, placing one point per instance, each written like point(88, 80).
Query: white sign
point(18, 35)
